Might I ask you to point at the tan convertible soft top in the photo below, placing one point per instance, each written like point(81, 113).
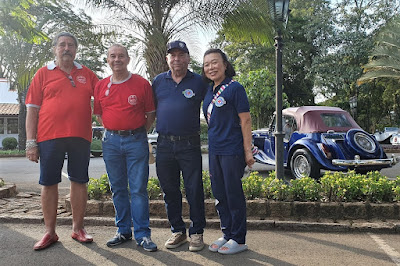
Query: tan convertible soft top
point(312, 119)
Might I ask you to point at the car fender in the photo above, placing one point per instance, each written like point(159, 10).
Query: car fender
point(312, 146)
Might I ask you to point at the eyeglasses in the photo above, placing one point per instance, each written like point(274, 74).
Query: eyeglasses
point(71, 80)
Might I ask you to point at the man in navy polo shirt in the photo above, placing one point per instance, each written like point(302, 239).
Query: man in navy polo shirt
point(178, 94)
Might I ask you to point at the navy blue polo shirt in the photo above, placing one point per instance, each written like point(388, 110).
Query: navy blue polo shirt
point(178, 105)
point(224, 130)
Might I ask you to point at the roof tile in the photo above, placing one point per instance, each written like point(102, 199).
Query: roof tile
point(9, 109)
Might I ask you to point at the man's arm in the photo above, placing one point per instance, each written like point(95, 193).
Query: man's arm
point(32, 118)
point(150, 117)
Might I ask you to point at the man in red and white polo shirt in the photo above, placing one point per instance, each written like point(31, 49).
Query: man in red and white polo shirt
point(59, 121)
point(124, 101)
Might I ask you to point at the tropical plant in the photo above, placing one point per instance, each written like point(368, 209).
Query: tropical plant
point(356, 23)
point(97, 188)
point(305, 189)
point(305, 39)
point(152, 24)
point(16, 19)
point(385, 57)
point(274, 188)
point(332, 187)
point(260, 88)
point(153, 189)
point(383, 71)
point(207, 185)
point(378, 188)
point(252, 186)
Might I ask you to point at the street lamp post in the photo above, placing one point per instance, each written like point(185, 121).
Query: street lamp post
point(353, 106)
point(279, 11)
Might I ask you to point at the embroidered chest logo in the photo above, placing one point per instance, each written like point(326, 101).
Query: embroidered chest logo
point(132, 99)
point(188, 93)
point(220, 101)
point(81, 79)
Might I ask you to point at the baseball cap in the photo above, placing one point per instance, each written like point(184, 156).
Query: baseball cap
point(177, 45)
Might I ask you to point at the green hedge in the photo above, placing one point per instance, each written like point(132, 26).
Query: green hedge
point(97, 188)
point(96, 145)
point(9, 143)
point(332, 187)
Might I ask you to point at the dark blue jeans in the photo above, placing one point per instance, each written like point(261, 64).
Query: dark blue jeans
point(127, 164)
point(226, 172)
point(174, 157)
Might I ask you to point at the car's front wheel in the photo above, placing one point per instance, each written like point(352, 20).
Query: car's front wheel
point(304, 164)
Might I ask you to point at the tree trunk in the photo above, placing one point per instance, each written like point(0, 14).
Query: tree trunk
point(154, 54)
point(22, 120)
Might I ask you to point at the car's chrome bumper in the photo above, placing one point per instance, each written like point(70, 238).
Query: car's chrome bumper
point(358, 162)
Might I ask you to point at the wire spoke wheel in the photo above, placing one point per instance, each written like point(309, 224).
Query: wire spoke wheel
point(303, 164)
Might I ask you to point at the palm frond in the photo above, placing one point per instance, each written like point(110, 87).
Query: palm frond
point(385, 59)
point(381, 73)
point(387, 62)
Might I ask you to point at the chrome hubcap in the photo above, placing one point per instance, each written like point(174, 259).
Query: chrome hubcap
point(301, 166)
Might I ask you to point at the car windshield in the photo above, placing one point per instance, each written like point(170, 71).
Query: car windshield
point(335, 120)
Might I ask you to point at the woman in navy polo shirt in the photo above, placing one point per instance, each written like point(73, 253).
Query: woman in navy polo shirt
point(227, 111)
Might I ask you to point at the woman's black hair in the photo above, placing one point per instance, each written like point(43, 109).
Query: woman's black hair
point(229, 72)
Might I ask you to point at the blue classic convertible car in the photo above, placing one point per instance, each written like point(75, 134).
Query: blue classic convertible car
point(319, 137)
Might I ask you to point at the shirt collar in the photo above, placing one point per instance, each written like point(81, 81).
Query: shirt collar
point(52, 65)
point(224, 82)
point(188, 74)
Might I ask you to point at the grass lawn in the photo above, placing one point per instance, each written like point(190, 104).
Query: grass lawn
point(12, 153)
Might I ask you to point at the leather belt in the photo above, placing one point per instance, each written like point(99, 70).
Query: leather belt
point(178, 138)
point(127, 132)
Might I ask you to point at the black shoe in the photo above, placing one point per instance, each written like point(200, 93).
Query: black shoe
point(119, 239)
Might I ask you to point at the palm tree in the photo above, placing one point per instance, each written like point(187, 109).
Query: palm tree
point(153, 23)
point(385, 59)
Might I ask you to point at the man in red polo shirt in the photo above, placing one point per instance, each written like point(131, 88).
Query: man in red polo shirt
point(124, 102)
point(59, 121)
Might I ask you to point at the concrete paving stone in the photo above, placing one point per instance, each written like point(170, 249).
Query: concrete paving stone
point(37, 212)
point(24, 195)
point(18, 210)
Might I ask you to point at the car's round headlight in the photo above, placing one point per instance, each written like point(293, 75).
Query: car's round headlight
point(364, 142)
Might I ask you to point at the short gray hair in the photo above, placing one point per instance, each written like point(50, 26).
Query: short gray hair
point(64, 34)
point(120, 46)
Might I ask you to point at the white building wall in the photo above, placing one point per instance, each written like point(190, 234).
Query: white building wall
point(7, 96)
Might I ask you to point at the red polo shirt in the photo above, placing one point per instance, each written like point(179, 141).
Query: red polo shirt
point(123, 106)
point(65, 110)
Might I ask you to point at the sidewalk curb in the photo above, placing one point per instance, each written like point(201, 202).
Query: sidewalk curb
point(270, 225)
point(263, 209)
point(261, 215)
